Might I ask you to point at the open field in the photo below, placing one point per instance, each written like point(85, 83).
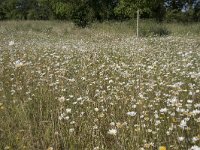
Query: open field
point(98, 88)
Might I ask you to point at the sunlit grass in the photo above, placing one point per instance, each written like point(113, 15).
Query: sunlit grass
point(71, 88)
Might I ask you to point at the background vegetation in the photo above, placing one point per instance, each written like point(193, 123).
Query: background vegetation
point(83, 12)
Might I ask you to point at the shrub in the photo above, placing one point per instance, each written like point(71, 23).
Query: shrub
point(62, 10)
point(153, 29)
point(82, 16)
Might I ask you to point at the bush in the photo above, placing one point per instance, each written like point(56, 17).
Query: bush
point(178, 16)
point(82, 16)
point(153, 29)
point(62, 10)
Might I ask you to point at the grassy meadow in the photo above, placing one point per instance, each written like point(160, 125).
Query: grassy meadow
point(99, 88)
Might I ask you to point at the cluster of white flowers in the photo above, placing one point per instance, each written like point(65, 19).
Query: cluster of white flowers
point(195, 148)
point(112, 131)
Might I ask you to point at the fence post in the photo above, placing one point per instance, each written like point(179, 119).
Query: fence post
point(138, 17)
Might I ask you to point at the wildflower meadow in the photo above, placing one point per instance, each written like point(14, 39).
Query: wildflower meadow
point(98, 88)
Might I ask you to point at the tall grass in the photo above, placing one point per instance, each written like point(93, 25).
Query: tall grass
point(97, 88)
point(60, 28)
point(150, 28)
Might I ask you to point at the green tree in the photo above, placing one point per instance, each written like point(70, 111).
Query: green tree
point(103, 9)
point(23, 7)
point(158, 10)
point(44, 10)
point(2, 13)
point(82, 14)
point(61, 9)
point(9, 9)
point(153, 8)
point(183, 10)
point(196, 14)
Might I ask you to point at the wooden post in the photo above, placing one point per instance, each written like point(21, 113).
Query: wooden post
point(138, 17)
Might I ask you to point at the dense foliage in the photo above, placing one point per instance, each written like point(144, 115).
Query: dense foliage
point(83, 12)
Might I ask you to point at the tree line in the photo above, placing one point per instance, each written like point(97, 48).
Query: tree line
point(82, 12)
